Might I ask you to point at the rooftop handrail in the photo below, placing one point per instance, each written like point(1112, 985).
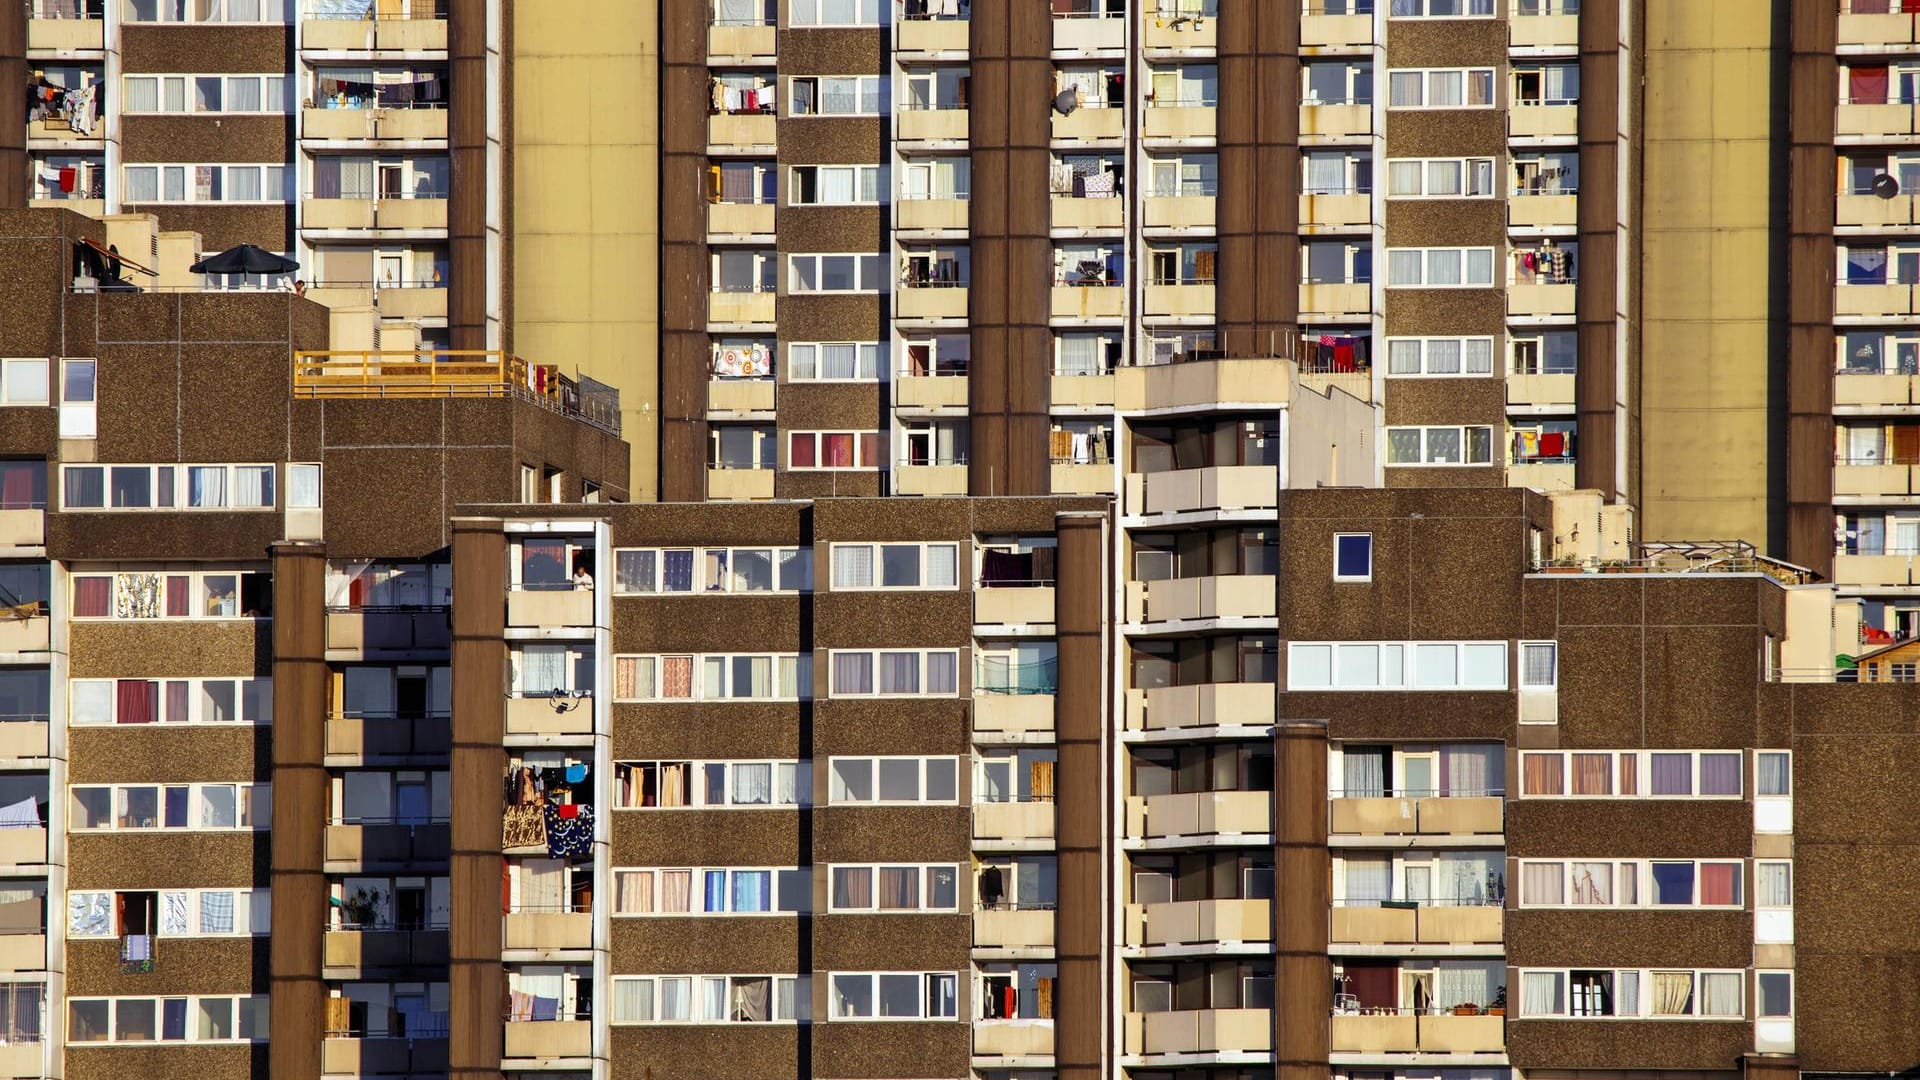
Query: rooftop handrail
point(453, 373)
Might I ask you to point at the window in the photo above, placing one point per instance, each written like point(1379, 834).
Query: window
point(836, 185)
point(912, 888)
point(208, 11)
point(1353, 557)
point(121, 807)
point(1439, 445)
point(1439, 356)
point(893, 780)
point(23, 485)
point(1397, 665)
point(1582, 883)
point(811, 450)
point(1584, 994)
point(1440, 268)
point(1331, 172)
point(206, 183)
point(713, 677)
point(894, 672)
point(710, 999)
point(640, 571)
point(744, 270)
point(170, 913)
point(667, 785)
point(357, 584)
point(835, 274)
point(1440, 178)
point(1336, 82)
point(834, 13)
point(1539, 665)
point(205, 94)
point(1546, 352)
point(167, 487)
point(1440, 9)
point(906, 995)
point(1547, 172)
point(1653, 774)
point(936, 178)
point(896, 566)
point(170, 701)
point(23, 381)
point(303, 487)
point(1440, 88)
point(1197, 175)
point(1774, 993)
point(181, 1019)
point(833, 361)
point(173, 595)
point(1773, 773)
point(1545, 84)
point(541, 670)
point(720, 890)
point(837, 95)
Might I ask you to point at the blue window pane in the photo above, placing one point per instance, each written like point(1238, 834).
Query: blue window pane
point(1353, 556)
point(1673, 883)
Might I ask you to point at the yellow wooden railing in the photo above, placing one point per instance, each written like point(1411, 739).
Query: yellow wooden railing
point(442, 373)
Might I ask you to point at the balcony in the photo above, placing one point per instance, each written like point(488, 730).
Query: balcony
point(1082, 392)
point(1179, 211)
point(1874, 120)
point(741, 133)
point(1557, 33)
point(1021, 604)
point(999, 928)
point(1373, 924)
point(1088, 215)
point(1334, 212)
point(740, 220)
point(1875, 301)
point(23, 952)
point(371, 843)
point(1179, 301)
point(549, 1039)
point(932, 36)
point(30, 634)
point(355, 950)
point(23, 528)
point(542, 716)
point(56, 129)
point(1204, 814)
point(1542, 122)
point(1335, 123)
point(1167, 34)
point(420, 214)
point(1874, 480)
point(23, 847)
point(1013, 824)
point(1206, 922)
point(1319, 31)
point(1426, 816)
point(1533, 212)
point(386, 125)
point(1873, 31)
point(373, 737)
point(1078, 33)
point(1012, 1039)
point(1405, 1033)
point(549, 930)
point(930, 392)
point(930, 302)
point(1889, 571)
point(728, 45)
point(733, 484)
point(740, 395)
point(1872, 211)
point(1204, 705)
point(742, 309)
point(1103, 302)
point(1179, 123)
point(942, 125)
point(1090, 124)
point(58, 28)
point(932, 215)
point(1228, 596)
point(383, 34)
point(1075, 479)
point(1204, 384)
point(1541, 475)
point(1186, 491)
point(383, 1056)
point(550, 607)
point(1540, 301)
point(1540, 390)
point(1336, 301)
point(938, 480)
point(392, 630)
point(1021, 717)
point(22, 1060)
point(1200, 1031)
point(23, 740)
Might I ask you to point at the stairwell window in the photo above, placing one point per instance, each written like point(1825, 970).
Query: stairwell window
point(1440, 268)
point(1439, 356)
point(1443, 445)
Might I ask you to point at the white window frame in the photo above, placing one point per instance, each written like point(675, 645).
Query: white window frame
point(924, 670)
point(879, 85)
point(864, 177)
point(188, 108)
point(879, 9)
point(196, 589)
point(876, 563)
point(9, 377)
point(1337, 575)
point(860, 447)
point(256, 807)
point(259, 690)
point(796, 994)
point(801, 676)
point(1477, 179)
point(923, 889)
point(697, 788)
point(250, 1005)
point(272, 13)
point(189, 185)
point(1642, 869)
point(1304, 656)
point(1469, 76)
point(1467, 10)
point(174, 481)
point(795, 886)
point(1467, 458)
point(926, 979)
point(1474, 357)
point(869, 273)
point(1643, 998)
point(926, 764)
point(804, 361)
point(1641, 761)
point(251, 912)
point(1526, 686)
point(1425, 257)
point(704, 560)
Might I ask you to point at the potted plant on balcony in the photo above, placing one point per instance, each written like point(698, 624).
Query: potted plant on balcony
point(1565, 564)
point(1499, 1006)
point(1466, 1009)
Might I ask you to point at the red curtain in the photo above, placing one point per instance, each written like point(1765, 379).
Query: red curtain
point(138, 701)
point(1867, 85)
point(1377, 986)
point(1720, 883)
point(179, 590)
point(17, 486)
point(836, 451)
point(92, 597)
point(800, 451)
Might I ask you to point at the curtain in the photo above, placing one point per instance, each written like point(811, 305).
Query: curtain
point(1369, 880)
point(676, 677)
point(1672, 774)
point(1471, 770)
point(673, 784)
point(633, 1000)
point(1673, 883)
point(542, 883)
point(176, 700)
point(17, 486)
point(633, 892)
point(852, 887)
point(92, 596)
point(676, 999)
point(1543, 774)
point(752, 784)
point(1672, 993)
point(1365, 774)
point(137, 701)
point(1774, 884)
point(852, 566)
point(1040, 780)
point(899, 673)
point(786, 787)
point(750, 891)
point(943, 673)
point(1626, 994)
point(173, 912)
point(1593, 774)
point(1629, 773)
point(1540, 993)
point(252, 485)
point(1720, 884)
point(1772, 774)
point(1326, 173)
point(899, 888)
point(676, 887)
point(543, 668)
point(1720, 774)
point(1467, 878)
point(1867, 84)
point(750, 998)
point(1593, 883)
point(1542, 884)
point(1079, 354)
point(1461, 984)
point(853, 673)
point(715, 899)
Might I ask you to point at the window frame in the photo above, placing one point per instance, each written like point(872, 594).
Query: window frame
point(924, 669)
point(1339, 557)
point(1642, 764)
point(864, 443)
point(1468, 78)
point(797, 994)
point(922, 889)
point(926, 981)
point(880, 94)
point(866, 355)
point(1643, 998)
point(778, 887)
point(175, 480)
point(197, 585)
point(1470, 172)
point(251, 1007)
point(876, 562)
point(248, 919)
point(1408, 665)
point(869, 273)
point(196, 807)
point(1466, 461)
point(1424, 342)
point(697, 789)
point(873, 779)
point(1645, 887)
point(800, 556)
point(196, 691)
point(802, 676)
point(1427, 253)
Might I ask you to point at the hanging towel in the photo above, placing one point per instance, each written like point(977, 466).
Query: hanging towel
point(569, 835)
point(576, 774)
point(1553, 444)
point(546, 1008)
point(523, 826)
point(568, 811)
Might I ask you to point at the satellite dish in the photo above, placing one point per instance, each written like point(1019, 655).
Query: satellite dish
point(1885, 186)
point(1065, 102)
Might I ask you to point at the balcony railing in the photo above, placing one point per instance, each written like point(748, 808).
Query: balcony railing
point(379, 10)
point(454, 373)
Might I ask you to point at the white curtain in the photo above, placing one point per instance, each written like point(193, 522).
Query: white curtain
point(752, 784)
point(542, 883)
point(1772, 774)
point(1326, 174)
point(173, 912)
point(1369, 879)
point(676, 999)
point(853, 566)
point(1541, 992)
point(543, 668)
point(1626, 994)
point(1462, 877)
point(1079, 355)
point(943, 673)
point(253, 485)
point(1542, 884)
point(1462, 984)
point(942, 566)
point(1593, 883)
point(1775, 884)
point(1365, 774)
point(1474, 770)
point(1722, 993)
point(89, 914)
point(633, 998)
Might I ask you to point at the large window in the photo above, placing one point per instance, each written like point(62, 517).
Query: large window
point(835, 13)
point(171, 701)
point(1439, 356)
point(1440, 268)
point(835, 450)
point(713, 677)
point(1611, 993)
point(1582, 883)
point(205, 183)
point(169, 594)
point(719, 890)
point(1440, 445)
point(208, 11)
point(836, 185)
point(1397, 665)
point(900, 781)
point(672, 785)
point(709, 999)
point(1440, 88)
point(1440, 178)
point(640, 571)
point(837, 95)
point(895, 995)
point(23, 381)
point(848, 273)
point(833, 361)
point(122, 807)
point(167, 487)
point(1632, 774)
point(169, 913)
point(895, 672)
point(143, 1020)
point(205, 94)
point(896, 566)
point(882, 888)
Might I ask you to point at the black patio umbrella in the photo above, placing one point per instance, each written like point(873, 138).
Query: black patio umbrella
point(245, 259)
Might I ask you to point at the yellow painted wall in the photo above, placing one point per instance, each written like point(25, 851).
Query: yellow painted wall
point(585, 196)
point(1703, 300)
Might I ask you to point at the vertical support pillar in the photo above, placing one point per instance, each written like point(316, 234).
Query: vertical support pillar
point(476, 983)
point(297, 1006)
point(1080, 797)
point(1302, 902)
